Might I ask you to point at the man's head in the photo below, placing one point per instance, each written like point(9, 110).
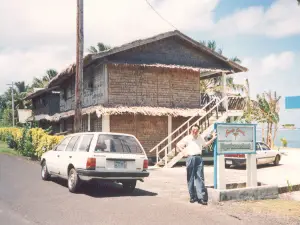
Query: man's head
point(195, 130)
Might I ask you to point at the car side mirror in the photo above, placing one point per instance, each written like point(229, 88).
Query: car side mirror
point(54, 148)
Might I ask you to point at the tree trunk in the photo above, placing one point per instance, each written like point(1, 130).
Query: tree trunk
point(269, 136)
point(263, 132)
point(270, 133)
point(275, 132)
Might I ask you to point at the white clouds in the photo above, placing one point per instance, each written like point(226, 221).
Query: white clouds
point(274, 72)
point(281, 19)
point(40, 34)
point(280, 62)
point(267, 72)
point(111, 21)
point(34, 31)
point(19, 65)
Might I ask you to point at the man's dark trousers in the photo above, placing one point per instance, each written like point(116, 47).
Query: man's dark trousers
point(195, 176)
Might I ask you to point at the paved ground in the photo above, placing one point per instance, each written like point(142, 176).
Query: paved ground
point(288, 170)
point(26, 199)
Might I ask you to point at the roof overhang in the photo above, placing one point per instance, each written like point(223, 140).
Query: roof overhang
point(40, 92)
point(90, 58)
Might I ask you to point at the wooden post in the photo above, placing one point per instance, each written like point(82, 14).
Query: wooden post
point(79, 68)
point(89, 122)
point(224, 92)
point(105, 123)
point(169, 132)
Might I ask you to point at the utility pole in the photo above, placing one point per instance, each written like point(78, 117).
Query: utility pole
point(12, 103)
point(79, 68)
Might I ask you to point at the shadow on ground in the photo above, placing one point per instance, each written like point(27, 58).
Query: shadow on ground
point(103, 189)
point(258, 167)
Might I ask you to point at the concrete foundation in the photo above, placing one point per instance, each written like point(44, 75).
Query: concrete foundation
point(238, 192)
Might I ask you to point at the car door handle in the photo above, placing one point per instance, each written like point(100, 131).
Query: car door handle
point(57, 155)
point(70, 156)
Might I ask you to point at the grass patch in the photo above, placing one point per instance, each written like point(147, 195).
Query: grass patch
point(278, 207)
point(6, 150)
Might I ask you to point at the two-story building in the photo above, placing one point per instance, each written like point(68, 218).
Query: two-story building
point(147, 88)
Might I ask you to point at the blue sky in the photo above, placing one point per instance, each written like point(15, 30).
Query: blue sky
point(263, 33)
point(256, 47)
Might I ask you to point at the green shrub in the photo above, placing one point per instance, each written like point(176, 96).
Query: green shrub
point(284, 142)
point(30, 142)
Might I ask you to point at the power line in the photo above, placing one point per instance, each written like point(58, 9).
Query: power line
point(160, 15)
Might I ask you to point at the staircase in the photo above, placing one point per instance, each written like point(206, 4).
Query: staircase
point(216, 111)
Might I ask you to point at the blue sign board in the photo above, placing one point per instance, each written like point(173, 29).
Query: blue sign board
point(292, 102)
point(233, 139)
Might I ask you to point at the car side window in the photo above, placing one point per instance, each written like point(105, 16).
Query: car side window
point(264, 147)
point(85, 143)
point(63, 144)
point(72, 144)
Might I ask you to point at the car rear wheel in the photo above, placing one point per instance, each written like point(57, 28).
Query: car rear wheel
point(129, 186)
point(276, 161)
point(73, 181)
point(44, 172)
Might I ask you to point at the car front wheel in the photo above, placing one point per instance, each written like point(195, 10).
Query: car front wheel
point(129, 186)
point(73, 181)
point(44, 171)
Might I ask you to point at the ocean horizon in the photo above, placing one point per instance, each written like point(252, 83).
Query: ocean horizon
point(291, 135)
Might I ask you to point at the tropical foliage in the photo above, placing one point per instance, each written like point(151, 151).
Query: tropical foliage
point(20, 90)
point(30, 142)
point(265, 111)
point(100, 47)
point(214, 85)
point(42, 82)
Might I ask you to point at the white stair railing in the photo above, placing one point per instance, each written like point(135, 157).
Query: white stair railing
point(216, 103)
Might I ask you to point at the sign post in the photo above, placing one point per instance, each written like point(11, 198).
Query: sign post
point(292, 102)
point(234, 139)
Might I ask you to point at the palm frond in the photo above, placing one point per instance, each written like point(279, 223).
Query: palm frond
point(236, 60)
point(212, 45)
point(93, 50)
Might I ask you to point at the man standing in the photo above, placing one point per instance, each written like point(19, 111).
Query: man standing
point(191, 147)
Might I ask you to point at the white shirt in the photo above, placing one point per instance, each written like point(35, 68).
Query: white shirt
point(192, 146)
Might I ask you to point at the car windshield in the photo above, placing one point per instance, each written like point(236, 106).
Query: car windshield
point(117, 144)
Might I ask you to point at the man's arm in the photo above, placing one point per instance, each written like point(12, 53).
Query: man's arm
point(182, 143)
point(205, 144)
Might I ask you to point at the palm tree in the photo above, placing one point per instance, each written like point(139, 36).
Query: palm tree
point(275, 108)
point(42, 82)
point(215, 84)
point(211, 44)
point(20, 93)
point(267, 111)
point(51, 73)
point(99, 48)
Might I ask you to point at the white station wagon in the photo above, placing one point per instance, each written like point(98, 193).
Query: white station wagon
point(87, 156)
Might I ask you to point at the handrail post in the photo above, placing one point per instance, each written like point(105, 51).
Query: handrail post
point(166, 158)
point(217, 110)
point(156, 155)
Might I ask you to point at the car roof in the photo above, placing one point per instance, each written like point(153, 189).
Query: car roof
point(110, 133)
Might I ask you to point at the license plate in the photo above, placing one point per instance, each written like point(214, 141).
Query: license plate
point(120, 164)
point(229, 162)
